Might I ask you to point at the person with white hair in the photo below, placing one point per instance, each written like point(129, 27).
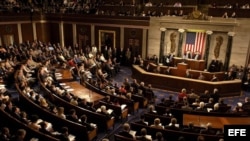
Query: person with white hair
point(216, 108)
point(201, 107)
point(238, 108)
point(142, 88)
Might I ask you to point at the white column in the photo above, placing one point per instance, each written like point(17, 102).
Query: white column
point(121, 38)
point(34, 31)
point(144, 43)
point(61, 34)
point(19, 30)
point(92, 34)
point(74, 34)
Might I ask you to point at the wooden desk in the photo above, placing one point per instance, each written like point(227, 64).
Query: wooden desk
point(83, 93)
point(175, 83)
point(217, 122)
point(63, 75)
point(192, 64)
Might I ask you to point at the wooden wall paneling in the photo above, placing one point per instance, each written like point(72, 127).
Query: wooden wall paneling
point(9, 29)
point(83, 36)
point(27, 32)
point(54, 32)
point(68, 34)
point(133, 40)
point(42, 32)
point(48, 32)
point(108, 28)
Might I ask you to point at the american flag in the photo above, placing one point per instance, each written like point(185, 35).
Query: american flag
point(195, 42)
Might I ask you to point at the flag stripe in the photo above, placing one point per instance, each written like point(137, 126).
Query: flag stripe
point(195, 42)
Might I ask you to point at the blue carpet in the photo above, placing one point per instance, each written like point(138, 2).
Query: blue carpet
point(126, 73)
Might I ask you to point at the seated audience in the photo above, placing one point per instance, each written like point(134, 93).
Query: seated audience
point(210, 103)
point(157, 124)
point(151, 110)
point(215, 95)
point(84, 122)
point(238, 108)
point(216, 108)
point(5, 134)
point(142, 120)
point(143, 136)
point(19, 135)
point(72, 116)
point(125, 131)
point(190, 128)
point(64, 136)
point(201, 107)
point(173, 125)
point(246, 105)
point(208, 130)
point(182, 95)
point(159, 137)
point(168, 112)
point(205, 96)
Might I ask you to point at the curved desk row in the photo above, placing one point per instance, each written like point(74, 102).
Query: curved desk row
point(200, 118)
point(175, 83)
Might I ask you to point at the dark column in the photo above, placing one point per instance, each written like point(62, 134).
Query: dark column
point(162, 44)
point(179, 53)
point(208, 41)
point(228, 51)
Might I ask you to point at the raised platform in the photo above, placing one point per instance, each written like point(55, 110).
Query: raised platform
point(175, 83)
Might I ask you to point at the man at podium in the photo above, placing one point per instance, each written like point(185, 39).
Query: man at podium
point(197, 56)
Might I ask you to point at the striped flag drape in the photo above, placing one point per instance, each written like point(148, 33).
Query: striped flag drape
point(195, 42)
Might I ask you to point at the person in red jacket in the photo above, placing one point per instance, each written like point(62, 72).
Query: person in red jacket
point(182, 94)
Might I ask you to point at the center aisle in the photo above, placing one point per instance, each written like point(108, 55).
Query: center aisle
point(125, 72)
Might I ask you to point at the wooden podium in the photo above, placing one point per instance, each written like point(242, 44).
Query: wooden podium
point(182, 66)
point(192, 64)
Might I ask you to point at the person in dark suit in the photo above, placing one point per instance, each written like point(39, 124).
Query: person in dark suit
point(143, 137)
point(149, 94)
point(85, 123)
point(142, 120)
point(246, 105)
point(210, 103)
point(151, 110)
point(169, 102)
point(142, 88)
point(20, 135)
point(201, 107)
point(197, 56)
point(135, 85)
point(190, 128)
point(43, 128)
point(205, 96)
point(72, 116)
point(208, 130)
point(125, 131)
point(173, 125)
point(159, 137)
point(5, 134)
point(215, 95)
point(64, 136)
